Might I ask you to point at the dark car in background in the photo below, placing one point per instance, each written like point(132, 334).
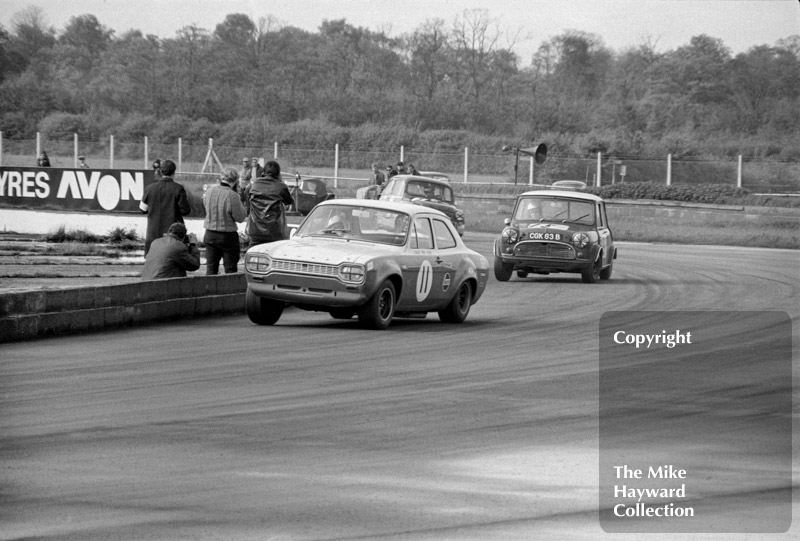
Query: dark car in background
point(307, 192)
point(428, 192)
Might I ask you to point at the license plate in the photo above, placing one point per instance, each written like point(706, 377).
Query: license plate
point(535, 235)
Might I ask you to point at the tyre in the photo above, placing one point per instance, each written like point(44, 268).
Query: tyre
point(342, 313)
point(591, 274)
point(378, 311)
point(502, 271)
point(605, 274)
point(458, 308)
point(262, 311)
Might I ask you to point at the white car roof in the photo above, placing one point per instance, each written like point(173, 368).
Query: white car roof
point(409, 208)
point(569, 194)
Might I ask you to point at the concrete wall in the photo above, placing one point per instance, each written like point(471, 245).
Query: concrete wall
point(34, 314)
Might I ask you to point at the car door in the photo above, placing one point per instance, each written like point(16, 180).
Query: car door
point(445, 264)
point(421, 269)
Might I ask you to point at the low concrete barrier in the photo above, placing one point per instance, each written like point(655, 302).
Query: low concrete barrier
point(33, 314)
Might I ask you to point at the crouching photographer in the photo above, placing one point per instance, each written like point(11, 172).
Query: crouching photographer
point(172, 255)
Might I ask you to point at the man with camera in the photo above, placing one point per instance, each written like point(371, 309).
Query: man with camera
point(172, 255)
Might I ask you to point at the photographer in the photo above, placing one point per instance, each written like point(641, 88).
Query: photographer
point(172, 255)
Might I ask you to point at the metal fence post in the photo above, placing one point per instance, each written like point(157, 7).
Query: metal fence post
point(466, 164)
point(336, 167)
point(275, 151)
point(739, 173)
point(111, 152)
point(146, 153)
point(180, 154)
point(669, 169)
point(530, 171)
point(402, 154)
point(599, 168)
point(75, 153)
point(38, 144)
point(1, 149)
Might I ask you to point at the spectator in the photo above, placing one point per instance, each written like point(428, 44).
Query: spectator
point(223, 211)
point(43, 160)
point(264, 200)
point(412, 170)
point(82, 162)
point(172, 255)
point(390, 172)
point(377, 178)
point(165, 202)
point(401, 169)
point(246, 174)
point(157, 169)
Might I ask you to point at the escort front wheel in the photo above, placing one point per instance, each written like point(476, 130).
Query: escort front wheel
point(377, 313)
point(262, 311)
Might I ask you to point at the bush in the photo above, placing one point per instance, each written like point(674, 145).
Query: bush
point(718, 194)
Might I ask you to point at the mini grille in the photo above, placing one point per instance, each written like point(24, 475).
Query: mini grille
point(305, 268)
point(545, 249)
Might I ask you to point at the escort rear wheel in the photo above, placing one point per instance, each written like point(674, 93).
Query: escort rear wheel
point(377, 313)
point(262, 311)
point(502, 271)
point(458, 308)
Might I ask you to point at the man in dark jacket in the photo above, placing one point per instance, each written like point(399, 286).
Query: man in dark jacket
point(172, 255)
point(264, 200)
point(165, 202)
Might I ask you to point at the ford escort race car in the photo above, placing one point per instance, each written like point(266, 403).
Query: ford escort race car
point(374, 259)
point(556, 231)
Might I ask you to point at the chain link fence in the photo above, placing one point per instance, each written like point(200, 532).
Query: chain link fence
point(758, 176)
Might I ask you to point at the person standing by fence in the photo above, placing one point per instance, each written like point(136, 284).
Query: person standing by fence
point(264, 200)
point(165, 202)
point(223, 211)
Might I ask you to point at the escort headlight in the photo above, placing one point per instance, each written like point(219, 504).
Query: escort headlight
point(352, 273)
point(580, 240)
point(258, 263)
point(510, 235)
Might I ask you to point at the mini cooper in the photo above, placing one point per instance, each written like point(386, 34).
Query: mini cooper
point(368, 258)
point(429, 192)
point(556, 231)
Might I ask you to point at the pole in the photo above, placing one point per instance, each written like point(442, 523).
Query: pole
point(516, 165)
point(336, 167)
point(739, 173)
point(180, 154)
point(466, 163)
point(38, 144)
point(75, 151)
point(530, 172)
point(599, 167)
point(275, 151)
point(669, 169)
point(111, 153)
point(146, 154)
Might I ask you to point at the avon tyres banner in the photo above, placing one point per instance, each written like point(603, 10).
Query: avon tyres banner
point(52, 188)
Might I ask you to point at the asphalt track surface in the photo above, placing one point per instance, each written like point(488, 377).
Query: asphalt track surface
point(317, 429)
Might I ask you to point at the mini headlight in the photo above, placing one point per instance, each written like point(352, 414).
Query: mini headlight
point(352, 273)
point(258, 263)
point(580, 240)
point(510, 235)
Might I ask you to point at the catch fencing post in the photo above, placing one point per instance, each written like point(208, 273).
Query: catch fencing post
point(38, 144)
point(402, 154)
point(111, 153)
point(1, 149)
point(180, 154)
point(336, 167)
point(669, 169)
point(275, 151)
point(466, 164)
point(75, 153)
point(599, 167)
point(739, 173)
point(146, 153)
point(530, 172)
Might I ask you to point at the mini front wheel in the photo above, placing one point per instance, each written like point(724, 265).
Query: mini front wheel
point(502, 271)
